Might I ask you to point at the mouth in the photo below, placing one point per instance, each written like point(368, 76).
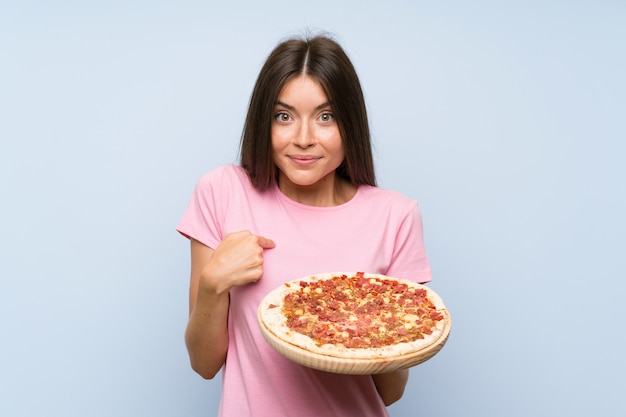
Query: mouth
point(304, 160)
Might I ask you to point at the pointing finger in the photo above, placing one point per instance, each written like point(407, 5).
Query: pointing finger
point(265, 243)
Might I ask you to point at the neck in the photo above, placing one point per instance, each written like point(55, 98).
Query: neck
point(327, 192)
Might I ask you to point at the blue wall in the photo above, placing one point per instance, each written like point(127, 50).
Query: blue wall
point(504, 119)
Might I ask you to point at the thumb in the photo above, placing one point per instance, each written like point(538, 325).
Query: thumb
point(265, 243)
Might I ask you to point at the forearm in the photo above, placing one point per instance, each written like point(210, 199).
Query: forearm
point(206, 335)
point(237, 261)
point(390, 386)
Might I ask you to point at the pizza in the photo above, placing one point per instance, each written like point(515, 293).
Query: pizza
point(354, 316)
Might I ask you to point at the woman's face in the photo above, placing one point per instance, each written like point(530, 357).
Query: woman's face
point(306, 144)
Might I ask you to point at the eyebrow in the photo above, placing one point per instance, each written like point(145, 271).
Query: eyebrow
point(290, 107)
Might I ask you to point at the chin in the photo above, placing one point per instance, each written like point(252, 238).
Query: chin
point(303, 182)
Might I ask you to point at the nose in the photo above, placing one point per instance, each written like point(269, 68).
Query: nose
point(304, 136)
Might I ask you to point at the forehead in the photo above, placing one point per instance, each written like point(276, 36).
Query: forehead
point(302, 88)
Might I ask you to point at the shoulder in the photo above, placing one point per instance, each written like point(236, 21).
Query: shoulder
point(390, 199)
point(224, 173)
point(225, 176)
point(391, 206)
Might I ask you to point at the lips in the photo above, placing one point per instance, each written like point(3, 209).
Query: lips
point(304, 160)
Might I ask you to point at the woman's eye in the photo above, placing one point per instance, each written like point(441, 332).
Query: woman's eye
point(326, 117)
point(282, 117)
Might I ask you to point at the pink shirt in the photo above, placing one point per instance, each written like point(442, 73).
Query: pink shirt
point(378, 231)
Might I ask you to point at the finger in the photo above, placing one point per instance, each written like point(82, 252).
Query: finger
point(265, 243)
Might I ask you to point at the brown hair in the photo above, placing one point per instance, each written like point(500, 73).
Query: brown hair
point(324, 60)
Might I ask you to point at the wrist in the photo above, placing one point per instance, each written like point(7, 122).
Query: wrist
point(213, 285)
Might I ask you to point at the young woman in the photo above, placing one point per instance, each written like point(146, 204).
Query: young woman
point(303, 201)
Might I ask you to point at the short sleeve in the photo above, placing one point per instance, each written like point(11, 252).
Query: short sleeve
point(409, 258)
point(203, 218)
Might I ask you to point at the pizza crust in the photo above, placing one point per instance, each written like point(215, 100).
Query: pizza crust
point(274, 321)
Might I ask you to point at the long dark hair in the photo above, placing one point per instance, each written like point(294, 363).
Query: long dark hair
point(324, 60)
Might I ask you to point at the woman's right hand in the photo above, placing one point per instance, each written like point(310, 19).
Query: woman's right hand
point(238, 260)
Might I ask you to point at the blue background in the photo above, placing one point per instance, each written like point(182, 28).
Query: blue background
point(505, 119)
